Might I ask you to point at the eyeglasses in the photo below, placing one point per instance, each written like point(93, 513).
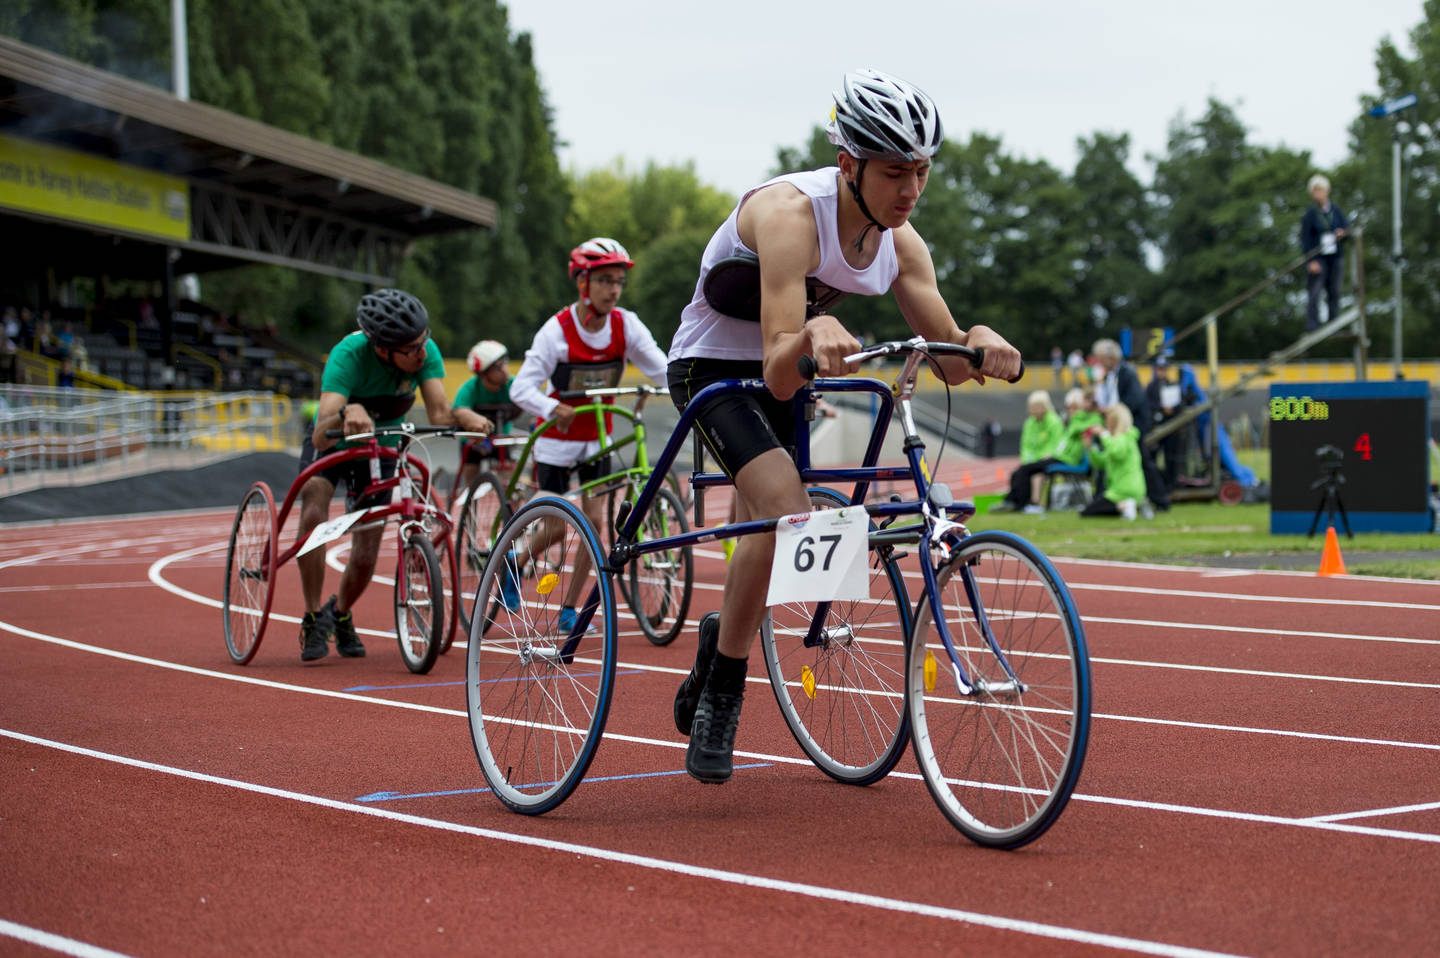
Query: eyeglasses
point(617, 281)
point(414, 349)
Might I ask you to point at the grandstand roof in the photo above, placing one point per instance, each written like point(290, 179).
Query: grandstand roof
point(52, 99)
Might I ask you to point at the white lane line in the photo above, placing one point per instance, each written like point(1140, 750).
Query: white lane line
point(44, 939)
point(1206, 572)
point(801, 889)
point(77, 587)
point(1376, 812)
point(1304, 676)
point(664, 743)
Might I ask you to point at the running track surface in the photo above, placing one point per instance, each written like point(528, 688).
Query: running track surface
point(1263, 778)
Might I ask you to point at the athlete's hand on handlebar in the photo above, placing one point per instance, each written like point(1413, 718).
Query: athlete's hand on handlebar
point(830, 343)
point(563, 415)
point(471, 421)
point(355, 419)
point(1000, 359)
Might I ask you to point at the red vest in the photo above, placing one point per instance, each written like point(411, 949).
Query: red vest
point(587, 368)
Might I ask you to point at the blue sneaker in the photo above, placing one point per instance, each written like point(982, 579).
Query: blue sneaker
point(566, 622)
point(509, 588)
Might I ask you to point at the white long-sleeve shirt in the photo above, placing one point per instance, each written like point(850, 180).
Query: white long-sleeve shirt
point(531, 388)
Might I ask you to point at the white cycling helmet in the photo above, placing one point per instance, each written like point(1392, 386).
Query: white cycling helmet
point(485, 354)
point(881, 117)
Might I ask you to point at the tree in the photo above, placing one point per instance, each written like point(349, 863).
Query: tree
point(1364, 187)
point(1227, 216)
point(1116, 217)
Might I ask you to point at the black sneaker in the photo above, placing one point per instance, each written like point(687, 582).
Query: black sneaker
point(710, 757)
point(315, 629)
point(347, 643)
point(688, 698)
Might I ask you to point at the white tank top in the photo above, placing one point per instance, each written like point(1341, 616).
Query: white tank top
point(704, 332)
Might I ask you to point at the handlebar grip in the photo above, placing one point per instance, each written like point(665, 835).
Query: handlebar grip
point(334, 434)
point(807, 366)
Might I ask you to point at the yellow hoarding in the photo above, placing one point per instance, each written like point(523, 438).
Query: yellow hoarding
point(70, 185)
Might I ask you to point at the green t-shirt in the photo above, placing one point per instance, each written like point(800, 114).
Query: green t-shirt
point(1039, 437)
point(476, 395)
point(355, 372)
point(1119, 456)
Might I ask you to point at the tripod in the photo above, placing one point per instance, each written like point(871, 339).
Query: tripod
point(1330, 500)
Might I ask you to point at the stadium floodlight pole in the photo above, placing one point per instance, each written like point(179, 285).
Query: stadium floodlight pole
point(179, 51)
point(1397, 252)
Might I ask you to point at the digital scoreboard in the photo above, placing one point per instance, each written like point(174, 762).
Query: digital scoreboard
point(1378, 434)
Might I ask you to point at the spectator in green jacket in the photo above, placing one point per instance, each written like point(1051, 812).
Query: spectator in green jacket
point(1115, 448)
point(1081, 414)
point(1039, 439)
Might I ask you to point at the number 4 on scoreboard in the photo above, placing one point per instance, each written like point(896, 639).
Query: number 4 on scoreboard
point(1362, 445)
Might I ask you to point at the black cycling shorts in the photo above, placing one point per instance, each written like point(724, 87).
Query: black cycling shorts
point(556, 479)
point(740, 426)
point(355, 474)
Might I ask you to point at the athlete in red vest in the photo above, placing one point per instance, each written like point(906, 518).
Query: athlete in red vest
point(584, 346)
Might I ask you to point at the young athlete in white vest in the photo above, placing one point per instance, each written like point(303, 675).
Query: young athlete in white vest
point(817, 236)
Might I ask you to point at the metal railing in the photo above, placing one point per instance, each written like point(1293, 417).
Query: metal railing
point(51, 436)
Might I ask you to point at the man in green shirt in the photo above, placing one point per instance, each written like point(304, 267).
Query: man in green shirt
point(370, 380)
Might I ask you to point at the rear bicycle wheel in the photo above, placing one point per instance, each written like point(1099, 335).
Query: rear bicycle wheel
point(538, 696)
point(419, 604)
point(483, 511)
point(843, 695)
point(661, 582)
point(249, 574)
point(1001, 759)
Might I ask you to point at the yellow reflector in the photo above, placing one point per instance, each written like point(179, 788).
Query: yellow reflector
point(547, 583)
point(932, 668)
point(807, 680)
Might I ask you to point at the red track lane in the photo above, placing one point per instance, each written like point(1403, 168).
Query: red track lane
point(162, 801)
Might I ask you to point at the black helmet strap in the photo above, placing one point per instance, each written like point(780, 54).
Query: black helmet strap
point(860, 201)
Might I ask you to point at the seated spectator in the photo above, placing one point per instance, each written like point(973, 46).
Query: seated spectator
point(1115, 448)
point(1039, 439)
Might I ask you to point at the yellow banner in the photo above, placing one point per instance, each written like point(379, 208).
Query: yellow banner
point(71, 185)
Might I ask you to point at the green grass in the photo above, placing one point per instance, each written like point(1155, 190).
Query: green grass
point(1202, 533)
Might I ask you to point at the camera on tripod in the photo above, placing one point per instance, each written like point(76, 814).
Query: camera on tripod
point(1332, 461)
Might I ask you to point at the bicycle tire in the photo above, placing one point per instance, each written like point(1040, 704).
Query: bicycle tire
point(661, 582)
point(419, 604)
point(1002, 760)
point(484, 510)
point(537, 700)
point(249, 574)
point(843, 699)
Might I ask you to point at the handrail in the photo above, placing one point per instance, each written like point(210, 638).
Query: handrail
point(217, 374)
point(1237, 301)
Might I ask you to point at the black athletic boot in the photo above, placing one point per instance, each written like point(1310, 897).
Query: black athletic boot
point(710, 757)
point(315, 629)
point(688, 698)
point(347, 642)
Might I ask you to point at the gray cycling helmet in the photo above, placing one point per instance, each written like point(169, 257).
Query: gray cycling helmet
point(391, 318)
point(881, 117)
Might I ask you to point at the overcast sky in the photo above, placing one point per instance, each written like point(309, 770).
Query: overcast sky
point(723, 85)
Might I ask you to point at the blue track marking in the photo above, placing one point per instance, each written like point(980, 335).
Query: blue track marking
point(395, 796)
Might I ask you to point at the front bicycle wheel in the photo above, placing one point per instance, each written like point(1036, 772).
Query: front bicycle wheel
point(483, 511)
point(249, 574)
point(1001, 753)
point(537, 693)
point(661, 582)
point(419, 604)
point(842, 691)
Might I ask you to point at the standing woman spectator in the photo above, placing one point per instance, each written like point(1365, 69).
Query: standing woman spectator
point(1321, 230)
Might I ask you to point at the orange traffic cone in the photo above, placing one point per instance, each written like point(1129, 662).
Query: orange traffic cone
point(965, 479)
point(1330, 561)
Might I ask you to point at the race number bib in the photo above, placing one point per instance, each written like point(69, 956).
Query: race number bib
point(820, 557)
point(331, 530)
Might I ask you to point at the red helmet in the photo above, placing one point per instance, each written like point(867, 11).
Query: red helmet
point(600, 251)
